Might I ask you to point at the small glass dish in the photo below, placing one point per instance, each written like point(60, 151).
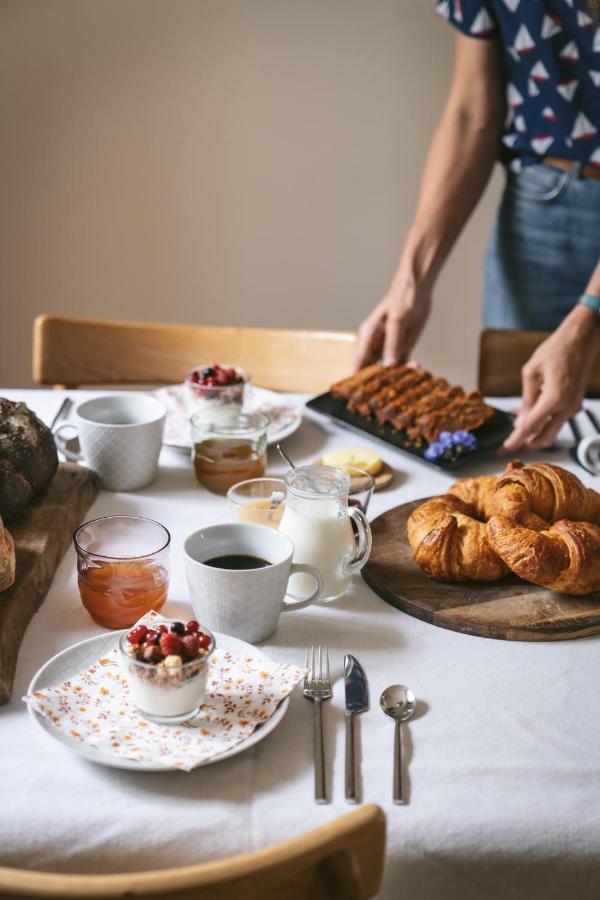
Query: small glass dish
point(217, 394)
point(162, 694)
point(230, 445)
point(260, 501)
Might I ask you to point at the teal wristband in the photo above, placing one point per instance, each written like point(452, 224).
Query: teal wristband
point(592, 302)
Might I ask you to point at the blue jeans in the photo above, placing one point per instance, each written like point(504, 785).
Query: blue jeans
point(543, 249)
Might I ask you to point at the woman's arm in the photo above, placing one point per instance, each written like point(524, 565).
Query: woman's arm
point(460, 160)
point(556, 377)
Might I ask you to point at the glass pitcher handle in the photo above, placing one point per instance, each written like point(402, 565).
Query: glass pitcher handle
point(364, 541)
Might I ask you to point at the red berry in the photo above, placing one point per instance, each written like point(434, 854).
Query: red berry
point(232, 375)
point(190, 646)
point(195, 377)
point(205, 641)
point(151, 654)
point(137, 635)
point(162, 629)
point(170, 645)
point(192, 626)
point(150, 635)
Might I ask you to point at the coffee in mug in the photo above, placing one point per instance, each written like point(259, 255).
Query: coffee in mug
point(237, 561)
point(238, 578)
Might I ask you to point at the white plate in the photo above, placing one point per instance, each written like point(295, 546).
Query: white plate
point(80, 656)
point(286, 417)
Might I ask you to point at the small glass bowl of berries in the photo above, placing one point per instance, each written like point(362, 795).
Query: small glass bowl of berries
point(217, 384)
point(166, 665)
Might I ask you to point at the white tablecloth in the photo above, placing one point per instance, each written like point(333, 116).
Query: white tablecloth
point(503, 758)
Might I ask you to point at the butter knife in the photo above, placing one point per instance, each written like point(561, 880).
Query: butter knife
point(357, 701)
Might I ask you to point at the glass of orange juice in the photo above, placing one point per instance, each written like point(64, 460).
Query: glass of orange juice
point(122, 568)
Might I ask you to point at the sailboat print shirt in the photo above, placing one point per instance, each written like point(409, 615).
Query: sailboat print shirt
point(551, 52)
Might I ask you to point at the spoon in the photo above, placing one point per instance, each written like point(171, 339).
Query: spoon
point(284, 456)
point(398, 702)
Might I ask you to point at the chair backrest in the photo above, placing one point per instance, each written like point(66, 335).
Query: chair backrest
point(77, 352)
point(339, 861)
point(502, 355)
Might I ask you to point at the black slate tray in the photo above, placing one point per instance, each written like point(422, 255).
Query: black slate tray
point(490, 436)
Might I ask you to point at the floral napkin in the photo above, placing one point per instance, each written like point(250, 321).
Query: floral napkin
point(93, 707)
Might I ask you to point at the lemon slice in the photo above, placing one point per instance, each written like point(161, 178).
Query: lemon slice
point(363, 457)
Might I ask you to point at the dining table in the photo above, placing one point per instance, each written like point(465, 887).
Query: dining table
point(501, 758)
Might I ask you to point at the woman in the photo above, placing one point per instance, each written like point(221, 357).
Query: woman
point(525, 89)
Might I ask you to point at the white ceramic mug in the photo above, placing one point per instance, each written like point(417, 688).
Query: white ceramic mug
point(120, 437)
point(245, 603)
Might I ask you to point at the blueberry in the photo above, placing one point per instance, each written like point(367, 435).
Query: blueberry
point(178, 628)
point(208, 372)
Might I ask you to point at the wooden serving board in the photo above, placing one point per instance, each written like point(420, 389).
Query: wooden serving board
point(41, 536)
point(511, 610)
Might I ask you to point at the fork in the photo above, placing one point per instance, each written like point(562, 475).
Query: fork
point(317, 687)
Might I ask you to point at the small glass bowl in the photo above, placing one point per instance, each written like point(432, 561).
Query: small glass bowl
point(217, 395)
point(167, 696)
point(229, 446)
point(260, 501)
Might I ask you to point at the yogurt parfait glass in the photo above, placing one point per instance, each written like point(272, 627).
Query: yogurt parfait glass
point(216, 385)
point(169, 692)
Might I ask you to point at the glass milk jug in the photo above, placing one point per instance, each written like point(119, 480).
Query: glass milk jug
point(317, 519)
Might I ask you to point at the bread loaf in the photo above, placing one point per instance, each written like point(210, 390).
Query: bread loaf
point(28, 458)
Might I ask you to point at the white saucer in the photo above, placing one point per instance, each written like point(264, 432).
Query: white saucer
point(286, 417)
point(80, 656)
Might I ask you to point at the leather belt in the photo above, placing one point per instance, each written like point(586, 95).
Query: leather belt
point(586, 170)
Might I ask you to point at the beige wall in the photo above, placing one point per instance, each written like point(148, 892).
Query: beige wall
point(220, 161)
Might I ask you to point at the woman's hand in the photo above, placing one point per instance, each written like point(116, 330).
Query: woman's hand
point(391, 331)
point(555, 380)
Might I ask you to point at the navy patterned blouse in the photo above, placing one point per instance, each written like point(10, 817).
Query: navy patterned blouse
point(551, 51)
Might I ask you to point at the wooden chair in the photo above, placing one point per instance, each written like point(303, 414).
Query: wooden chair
point(77, 352)
point(339, 861)
point(502, 355)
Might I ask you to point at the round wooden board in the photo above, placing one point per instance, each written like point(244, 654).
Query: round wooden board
point(511, 610)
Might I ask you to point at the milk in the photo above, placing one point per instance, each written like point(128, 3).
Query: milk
point(322, 535)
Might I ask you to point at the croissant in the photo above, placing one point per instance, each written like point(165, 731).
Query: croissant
point(449, 543)
point(538, 494)
point(564, 556)
point(477, 493)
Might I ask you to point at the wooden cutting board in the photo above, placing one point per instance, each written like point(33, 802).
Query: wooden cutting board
point(41, 537)
point(511, 610)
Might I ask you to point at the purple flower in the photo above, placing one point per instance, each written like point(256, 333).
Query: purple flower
point(464, 440)
point(450, 445)
point(446, 439)
point(434, 451)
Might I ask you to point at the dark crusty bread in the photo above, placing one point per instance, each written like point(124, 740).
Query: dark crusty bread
point(28, 458)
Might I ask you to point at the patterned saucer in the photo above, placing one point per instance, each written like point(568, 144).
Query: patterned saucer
point(286, 418)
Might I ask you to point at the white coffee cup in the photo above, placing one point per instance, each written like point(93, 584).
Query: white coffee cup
point(120, 437)
point(245, 603)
